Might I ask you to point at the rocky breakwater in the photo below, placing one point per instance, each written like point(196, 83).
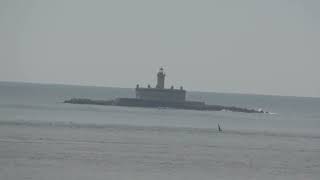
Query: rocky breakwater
point(89, 101)
point(152, 104)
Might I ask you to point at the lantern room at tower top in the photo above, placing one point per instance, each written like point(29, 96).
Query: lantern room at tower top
point(160, 93)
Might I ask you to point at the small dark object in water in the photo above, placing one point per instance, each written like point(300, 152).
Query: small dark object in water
point(219, 128)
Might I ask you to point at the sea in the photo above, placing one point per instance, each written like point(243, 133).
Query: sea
point(43, 138)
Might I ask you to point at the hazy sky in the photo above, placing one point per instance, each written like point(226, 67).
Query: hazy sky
point(242, 46)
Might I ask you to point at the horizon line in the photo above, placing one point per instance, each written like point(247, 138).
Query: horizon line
point(190, 90)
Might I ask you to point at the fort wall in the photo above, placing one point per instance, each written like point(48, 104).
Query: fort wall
point(155, 94)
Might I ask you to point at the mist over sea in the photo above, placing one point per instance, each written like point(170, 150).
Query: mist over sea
point(43, 138)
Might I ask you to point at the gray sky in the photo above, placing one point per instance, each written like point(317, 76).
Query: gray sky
point(247, 46)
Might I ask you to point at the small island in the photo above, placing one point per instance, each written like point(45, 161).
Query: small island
point(161, 97)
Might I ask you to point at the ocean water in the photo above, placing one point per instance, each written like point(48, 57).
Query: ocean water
point(43, 138)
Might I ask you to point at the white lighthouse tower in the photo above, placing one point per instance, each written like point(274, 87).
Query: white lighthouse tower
point(161, 76)
point(160, 93)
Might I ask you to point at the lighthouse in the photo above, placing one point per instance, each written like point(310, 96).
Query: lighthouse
point(160, 82)
point(160, 94)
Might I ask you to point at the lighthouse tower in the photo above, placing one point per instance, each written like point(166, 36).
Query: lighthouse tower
point(160, 81)
point(160, 93)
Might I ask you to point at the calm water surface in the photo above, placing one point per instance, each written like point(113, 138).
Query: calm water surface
point(44, 139)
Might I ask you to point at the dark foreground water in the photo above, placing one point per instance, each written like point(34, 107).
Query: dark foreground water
point(42, 138)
